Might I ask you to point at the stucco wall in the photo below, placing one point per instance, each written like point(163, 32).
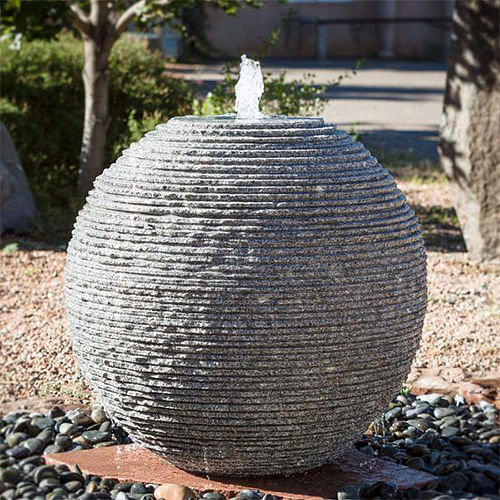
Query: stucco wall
point(244, 32)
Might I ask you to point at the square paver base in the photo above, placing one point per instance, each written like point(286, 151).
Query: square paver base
point(133, 463)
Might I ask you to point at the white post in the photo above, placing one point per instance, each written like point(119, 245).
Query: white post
point(321, 42)
point(387, 10)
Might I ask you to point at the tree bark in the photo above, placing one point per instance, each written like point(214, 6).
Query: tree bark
point(96, 81)
point(469, 143)
point(99, 30)
point(98, 42)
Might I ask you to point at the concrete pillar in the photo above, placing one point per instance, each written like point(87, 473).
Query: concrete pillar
point(321, 42)
point(387, 10)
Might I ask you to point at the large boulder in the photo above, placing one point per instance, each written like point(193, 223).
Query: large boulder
point(470, 145)
point(17, 206)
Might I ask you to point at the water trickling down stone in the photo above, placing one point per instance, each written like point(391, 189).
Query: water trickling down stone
point(249, 89)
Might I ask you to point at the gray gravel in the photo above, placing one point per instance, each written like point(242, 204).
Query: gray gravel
point(458, 443)
point(412, 432)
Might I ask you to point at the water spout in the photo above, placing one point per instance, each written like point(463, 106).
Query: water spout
point(249, 89)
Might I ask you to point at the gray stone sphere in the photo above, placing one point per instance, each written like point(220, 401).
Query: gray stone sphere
point(244, 297)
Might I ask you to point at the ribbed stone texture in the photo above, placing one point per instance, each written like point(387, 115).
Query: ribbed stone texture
point(245, 296)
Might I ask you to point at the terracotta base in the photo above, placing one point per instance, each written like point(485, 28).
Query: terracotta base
point(133, 463)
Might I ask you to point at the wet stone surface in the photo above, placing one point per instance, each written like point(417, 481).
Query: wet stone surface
point(467, 463)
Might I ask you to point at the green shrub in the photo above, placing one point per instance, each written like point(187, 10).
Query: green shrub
point(42, 105)
point(282, 97)
point(141, 94)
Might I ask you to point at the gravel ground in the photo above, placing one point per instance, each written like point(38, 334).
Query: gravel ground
point(35, 350)
point(462, 322)
point(458, 443)
point(460, 331)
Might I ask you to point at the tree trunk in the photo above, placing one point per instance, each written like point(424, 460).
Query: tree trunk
point(97, 47)
point(95, 80)
point(469, 143)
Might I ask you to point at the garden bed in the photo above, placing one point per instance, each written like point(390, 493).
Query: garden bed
point(460, 331)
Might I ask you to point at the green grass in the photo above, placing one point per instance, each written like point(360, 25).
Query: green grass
point(407, 166)
point(446, 217)
point(10, 248)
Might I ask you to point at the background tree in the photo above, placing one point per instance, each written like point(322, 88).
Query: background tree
point(100, 24)
point(470, 131)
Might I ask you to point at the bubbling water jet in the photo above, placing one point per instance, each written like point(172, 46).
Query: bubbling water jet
point(249, 90)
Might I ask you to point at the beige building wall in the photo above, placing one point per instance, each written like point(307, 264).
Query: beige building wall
point(245, 32)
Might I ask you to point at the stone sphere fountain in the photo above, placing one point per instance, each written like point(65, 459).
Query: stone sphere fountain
point(245, 293)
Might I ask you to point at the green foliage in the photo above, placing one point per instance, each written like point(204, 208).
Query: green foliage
point(354, 132)
point(44, 19)
point(156, 12)
point(42, 106)
point(282, 96)
point(140, 102)
point(41, 20)
point(136, 128)
point(10, 248)
point(405, 390)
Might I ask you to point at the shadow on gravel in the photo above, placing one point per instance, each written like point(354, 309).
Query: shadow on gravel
point(440, 227)
point(10, 243)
